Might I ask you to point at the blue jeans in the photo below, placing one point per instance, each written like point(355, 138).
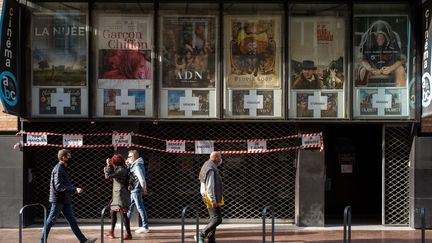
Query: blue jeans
point(68, 213)
point(138, 202)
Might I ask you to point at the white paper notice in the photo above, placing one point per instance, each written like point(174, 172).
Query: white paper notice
point(37, 139)
point(346, 169)
point(260, 145)
point(125, 103)
point(311, 141)
point(121, 139)
point(204, 147)
point(176, 146)
point(189, 103)
point(72, 140)
point(60, 100)
point(253, 102)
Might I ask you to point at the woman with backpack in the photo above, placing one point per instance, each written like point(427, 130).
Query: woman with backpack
point(116, 171)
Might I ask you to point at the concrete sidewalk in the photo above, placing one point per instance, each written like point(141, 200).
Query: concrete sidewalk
point(239, 233)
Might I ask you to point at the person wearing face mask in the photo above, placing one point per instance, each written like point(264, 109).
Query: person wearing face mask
point(212, 194)
point(60, 197)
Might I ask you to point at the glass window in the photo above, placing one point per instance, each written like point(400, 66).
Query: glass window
point(381, 61)
point(123, 59)
point(318, 73)
point(188, 60)
point(58, 59)
point(253, 61)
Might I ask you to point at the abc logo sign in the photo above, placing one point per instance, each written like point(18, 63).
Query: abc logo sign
point(9, 88)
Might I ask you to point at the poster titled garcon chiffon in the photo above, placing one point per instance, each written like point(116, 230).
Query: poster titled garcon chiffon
point(124, 68)
point(188, 52)
point(253, 49)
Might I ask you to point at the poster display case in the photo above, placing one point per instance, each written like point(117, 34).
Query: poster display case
point(188, 66)
point(318, 77)
point(124, 65)
point(381, 66)
point(58, 59)
point(253, 66)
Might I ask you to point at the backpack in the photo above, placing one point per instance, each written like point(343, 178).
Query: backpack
point(130, 179)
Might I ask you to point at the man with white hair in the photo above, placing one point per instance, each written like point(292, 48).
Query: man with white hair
point(212, 194)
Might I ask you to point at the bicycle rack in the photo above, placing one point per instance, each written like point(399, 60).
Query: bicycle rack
point(102, 223)
point(21, 220)
point(347, 221)
point(183, 223)
point(264, 214)
point(422, 224)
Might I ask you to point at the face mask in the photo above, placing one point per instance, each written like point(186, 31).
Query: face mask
point(220, 162)
point(69, 161)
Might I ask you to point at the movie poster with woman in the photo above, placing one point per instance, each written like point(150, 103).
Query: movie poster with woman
point(59, 63)
point(253, 52)
point(380, 65)
point(124, 65)
point(318, 68)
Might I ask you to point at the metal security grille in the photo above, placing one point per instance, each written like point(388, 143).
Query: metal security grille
point(251, 181)
point(396, 179)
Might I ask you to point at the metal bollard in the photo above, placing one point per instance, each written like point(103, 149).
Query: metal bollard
point(422, 224)
point(264, 214)
point(183, 223)
point(21, 220)
point(347, 221)
point(102, 223)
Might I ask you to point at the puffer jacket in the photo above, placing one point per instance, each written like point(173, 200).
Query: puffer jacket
point(61, 189)
point(120, 193)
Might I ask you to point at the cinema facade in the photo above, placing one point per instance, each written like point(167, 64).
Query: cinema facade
point(252, 79)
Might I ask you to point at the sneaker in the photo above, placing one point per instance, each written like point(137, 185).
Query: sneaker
point(200, 238)
point(142, 230)
point(91, 240)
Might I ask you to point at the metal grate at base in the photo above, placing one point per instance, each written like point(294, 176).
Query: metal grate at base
point(251, 181)
point(396, 179)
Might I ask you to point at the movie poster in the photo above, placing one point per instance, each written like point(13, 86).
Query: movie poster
point(238, 108)
point(396, 102)
point(109, 102)
point(59, 49)
point(366, 102)
point(331, 110)
point(203, 102)
point(124, 63)
point(139, 96)
point(45, 105)
point(75, 102)
point(302, 100)
point(174, 102)
point(380, 51)
point(268, 105)
point(317, 46)
point(189, 45)
point(253, 52)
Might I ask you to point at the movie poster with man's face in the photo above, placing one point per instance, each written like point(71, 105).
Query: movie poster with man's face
point(124, 64)
point(188, 51)
point(381, 65)
point(317, 46)
point(380, 51)
point(318, 69)
point(253, 51)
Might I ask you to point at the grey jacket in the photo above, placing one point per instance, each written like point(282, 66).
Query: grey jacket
point(120, 193)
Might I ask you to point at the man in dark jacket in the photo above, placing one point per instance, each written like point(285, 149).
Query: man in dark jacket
point(212, 194)
point(60, 197)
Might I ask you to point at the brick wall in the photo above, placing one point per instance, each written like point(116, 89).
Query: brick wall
point(7, 122)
